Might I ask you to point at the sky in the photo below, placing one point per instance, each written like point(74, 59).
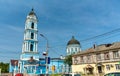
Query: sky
point(89, 21)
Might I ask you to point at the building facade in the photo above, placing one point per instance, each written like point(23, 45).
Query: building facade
point(98, 60)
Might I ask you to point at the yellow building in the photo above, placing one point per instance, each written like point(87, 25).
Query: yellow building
point(97, 60)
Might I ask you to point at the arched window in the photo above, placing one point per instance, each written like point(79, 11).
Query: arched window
point(31, 47)
point(32, 25)
point(32, 35)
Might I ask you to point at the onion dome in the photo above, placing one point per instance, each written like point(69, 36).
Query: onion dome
point(32, 12)
point(32, 15)
point(73, 41)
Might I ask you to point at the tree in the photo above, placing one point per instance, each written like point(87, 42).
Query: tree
point(4, 67)
point(68, 60)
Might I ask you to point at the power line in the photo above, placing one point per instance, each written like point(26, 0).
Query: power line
point(101, 35)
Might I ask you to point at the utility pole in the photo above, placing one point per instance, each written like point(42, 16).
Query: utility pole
point(46, 56)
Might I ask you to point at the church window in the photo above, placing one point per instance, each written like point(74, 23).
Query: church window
point(31, 47)
point(32, 26)
point(71, 49)
point(32, 35)
point(76, 49)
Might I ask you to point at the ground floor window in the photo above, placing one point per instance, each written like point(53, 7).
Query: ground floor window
point(117, 66)
point(88, 69)
point(108, 67)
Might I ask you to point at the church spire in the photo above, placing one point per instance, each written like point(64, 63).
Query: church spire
point(32, 9)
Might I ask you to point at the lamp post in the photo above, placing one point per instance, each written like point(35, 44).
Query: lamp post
point(46, 53)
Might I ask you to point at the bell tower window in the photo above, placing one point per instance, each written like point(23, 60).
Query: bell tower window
point(31, 47)
point(32, 35)
point(32, 25)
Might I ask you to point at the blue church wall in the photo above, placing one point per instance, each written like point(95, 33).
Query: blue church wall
point(41, 68)
point(30, 67)
point(28, 55)
point(57, 63)
point(13, 66)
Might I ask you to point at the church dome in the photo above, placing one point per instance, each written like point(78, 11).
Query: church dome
point(73, 41)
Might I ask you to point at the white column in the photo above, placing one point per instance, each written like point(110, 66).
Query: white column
point(29, 34)
point(25, 46)
point(36, 35)
point(34, 47)
point(28, 46)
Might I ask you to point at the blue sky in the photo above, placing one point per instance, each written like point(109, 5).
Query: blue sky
point(59, 20)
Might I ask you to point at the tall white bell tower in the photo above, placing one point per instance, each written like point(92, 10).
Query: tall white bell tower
point(30, 43)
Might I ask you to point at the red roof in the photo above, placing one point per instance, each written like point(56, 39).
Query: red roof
point(14, 62)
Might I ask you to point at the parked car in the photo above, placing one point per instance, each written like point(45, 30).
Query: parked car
point(113, 74)
point(19, 74)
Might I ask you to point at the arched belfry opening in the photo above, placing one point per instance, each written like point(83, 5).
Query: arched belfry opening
point(31, 47)
point(32, 25)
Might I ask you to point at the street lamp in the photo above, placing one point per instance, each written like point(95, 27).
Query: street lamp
point(46, 53)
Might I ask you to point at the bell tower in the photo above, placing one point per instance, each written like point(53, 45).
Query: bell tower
point(30, 43)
